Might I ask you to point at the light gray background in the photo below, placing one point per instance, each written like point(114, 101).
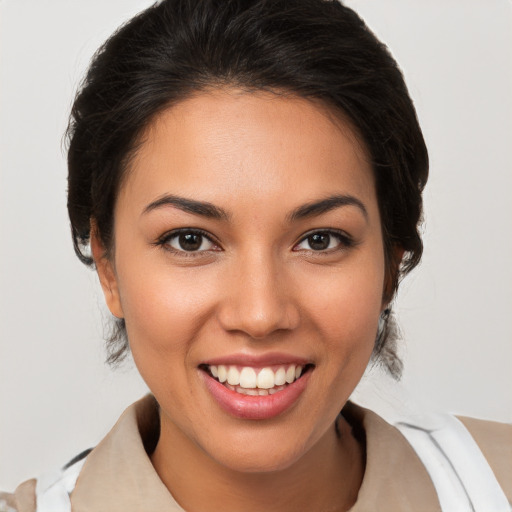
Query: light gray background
point(56, 395)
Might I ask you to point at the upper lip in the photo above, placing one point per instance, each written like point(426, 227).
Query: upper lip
point(257, 360)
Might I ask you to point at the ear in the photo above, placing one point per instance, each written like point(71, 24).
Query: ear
point(106, 273)
point(392, 274)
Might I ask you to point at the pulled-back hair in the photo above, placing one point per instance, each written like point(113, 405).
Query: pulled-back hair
point(317, 49)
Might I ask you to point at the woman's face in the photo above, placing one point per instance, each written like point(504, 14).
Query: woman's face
point(248, 247)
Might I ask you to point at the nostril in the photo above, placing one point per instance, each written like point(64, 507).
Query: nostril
point(259, 306)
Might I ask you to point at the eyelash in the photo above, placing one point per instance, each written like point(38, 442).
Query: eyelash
point(166, 238)
point(345, 241)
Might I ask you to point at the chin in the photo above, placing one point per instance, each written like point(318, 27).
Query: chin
point(256, 463)
point(257, 454)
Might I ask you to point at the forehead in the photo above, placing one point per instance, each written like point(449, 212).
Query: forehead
point(226, 144)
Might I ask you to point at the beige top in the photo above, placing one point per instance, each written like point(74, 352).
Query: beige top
point(118, 475)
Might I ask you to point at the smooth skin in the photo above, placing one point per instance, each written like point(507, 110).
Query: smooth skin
point(247, 277)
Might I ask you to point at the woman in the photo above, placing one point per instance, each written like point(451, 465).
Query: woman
point(248, 177)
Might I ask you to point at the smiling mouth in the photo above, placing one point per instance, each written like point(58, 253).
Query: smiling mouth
point(250, 381)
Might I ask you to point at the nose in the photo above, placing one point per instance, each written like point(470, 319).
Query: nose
point(258, 299)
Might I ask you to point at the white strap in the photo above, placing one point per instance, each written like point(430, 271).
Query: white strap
point(463, 479)
point(53, 489)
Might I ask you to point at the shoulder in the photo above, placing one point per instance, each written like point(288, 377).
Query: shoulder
point(136, 431)
point(395, 480)
point(23, 499)
point(50, 492)
point(495, 441)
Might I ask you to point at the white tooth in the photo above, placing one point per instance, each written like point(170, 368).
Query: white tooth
point(248, 377)
point(214, 371)
point(290, 374)
point(229, 386)
point(222, 373)
point(263, 392)
point(234, 376)
point(250, 392)
point(266, 378)
point(280, 377)
point(272, 391)
point(298, 372)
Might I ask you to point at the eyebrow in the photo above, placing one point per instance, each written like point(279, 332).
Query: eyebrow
point(208, 210)
point(202, 208)
point(325, 205)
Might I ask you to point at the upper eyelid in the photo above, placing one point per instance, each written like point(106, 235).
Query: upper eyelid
point(331, 231)
point(167, 236)
point(175, 232)
point(345, 240)
point(339, 233)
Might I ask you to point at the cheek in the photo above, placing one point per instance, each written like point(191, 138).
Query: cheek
point(164, 314)
point(347, 306)
point(163, 308)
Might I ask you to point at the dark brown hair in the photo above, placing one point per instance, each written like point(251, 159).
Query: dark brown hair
point(316, 49)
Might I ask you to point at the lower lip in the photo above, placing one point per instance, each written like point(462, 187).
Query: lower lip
point(255, 407)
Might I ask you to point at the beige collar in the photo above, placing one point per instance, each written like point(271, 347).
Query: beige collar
point(395, 479)
point(118, 475)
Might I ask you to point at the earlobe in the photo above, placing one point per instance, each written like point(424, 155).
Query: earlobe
point(106, 274)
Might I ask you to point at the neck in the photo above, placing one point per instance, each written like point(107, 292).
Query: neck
point(326, 479)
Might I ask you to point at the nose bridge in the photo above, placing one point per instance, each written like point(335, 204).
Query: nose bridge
point(258, 301)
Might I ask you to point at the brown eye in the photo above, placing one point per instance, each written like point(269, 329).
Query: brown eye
point(189, 241)
point(319, 241)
